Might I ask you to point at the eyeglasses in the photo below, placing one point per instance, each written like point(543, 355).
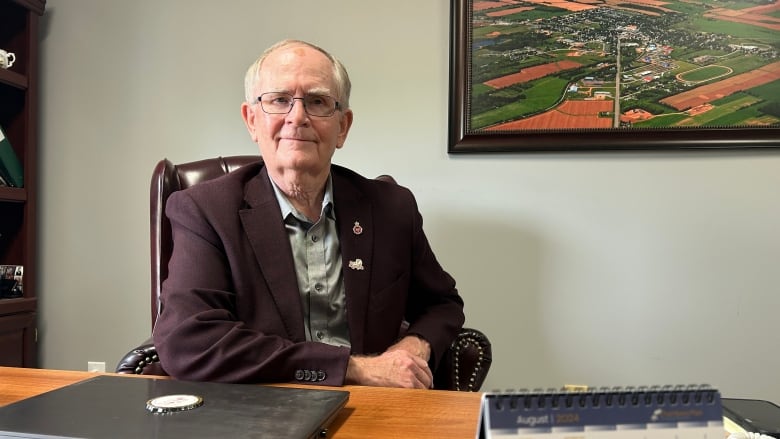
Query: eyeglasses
point(282, 103)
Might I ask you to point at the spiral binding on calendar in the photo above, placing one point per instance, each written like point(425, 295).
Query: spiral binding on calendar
point(693, 411)
point(683, 395)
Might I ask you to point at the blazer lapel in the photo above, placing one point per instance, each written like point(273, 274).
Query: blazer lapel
point(264, 228)
point(356, 236)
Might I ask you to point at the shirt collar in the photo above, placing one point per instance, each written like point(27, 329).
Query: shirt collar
point(288, 209)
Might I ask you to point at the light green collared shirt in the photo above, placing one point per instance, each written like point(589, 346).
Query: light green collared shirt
point(317, 254)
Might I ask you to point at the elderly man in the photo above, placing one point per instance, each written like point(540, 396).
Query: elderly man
point(296, 269)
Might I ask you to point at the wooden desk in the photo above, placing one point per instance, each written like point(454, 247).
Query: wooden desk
point(372, 412)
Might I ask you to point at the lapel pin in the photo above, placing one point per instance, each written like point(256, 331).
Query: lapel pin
point(357, 229)
point(357, 264)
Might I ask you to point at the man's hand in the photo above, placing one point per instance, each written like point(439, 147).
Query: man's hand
point(414, 345)
point(394, 368)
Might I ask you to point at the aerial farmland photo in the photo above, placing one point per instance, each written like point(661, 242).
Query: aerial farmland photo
point(605, 64)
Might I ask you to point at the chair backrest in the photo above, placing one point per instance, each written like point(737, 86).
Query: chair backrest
point(166, 179)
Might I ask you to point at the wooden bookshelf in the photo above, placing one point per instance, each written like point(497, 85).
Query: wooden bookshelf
point(18, 225)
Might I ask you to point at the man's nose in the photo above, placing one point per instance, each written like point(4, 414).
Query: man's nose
point(298, 111)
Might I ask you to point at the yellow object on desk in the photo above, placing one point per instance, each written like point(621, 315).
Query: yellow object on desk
point(732, 427)
point(575, 387)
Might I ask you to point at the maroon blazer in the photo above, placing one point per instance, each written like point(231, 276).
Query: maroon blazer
point(231, 309)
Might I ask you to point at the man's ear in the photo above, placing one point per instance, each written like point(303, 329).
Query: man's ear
point(346, 123)
point(248, 114)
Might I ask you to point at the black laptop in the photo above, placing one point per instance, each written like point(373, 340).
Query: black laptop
point(118, 407)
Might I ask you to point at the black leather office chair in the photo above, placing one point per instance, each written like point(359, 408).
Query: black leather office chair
point(464, 366)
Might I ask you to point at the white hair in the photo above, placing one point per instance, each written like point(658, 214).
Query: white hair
point(343, 84)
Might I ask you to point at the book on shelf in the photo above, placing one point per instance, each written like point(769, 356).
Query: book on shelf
point(10, 167)
point(11, 281)
point(657, 412)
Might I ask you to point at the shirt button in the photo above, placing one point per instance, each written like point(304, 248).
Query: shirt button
point(320, 335)
point(315, 238)
point(318, 287)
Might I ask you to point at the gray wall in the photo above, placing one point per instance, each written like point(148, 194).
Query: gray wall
point(590, 268)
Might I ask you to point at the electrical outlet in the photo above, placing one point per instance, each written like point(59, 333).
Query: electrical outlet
point(96, 366)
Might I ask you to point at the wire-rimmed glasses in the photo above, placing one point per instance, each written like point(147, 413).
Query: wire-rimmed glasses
point(282, 103)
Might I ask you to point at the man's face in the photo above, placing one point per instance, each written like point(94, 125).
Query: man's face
point(296, 142)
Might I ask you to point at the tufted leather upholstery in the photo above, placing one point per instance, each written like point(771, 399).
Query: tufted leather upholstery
point(464, 366)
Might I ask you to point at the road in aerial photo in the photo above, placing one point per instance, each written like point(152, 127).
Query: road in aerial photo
point(592, 64)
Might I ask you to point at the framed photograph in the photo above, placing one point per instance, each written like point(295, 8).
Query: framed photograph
point(11, 281)
point(570, 75)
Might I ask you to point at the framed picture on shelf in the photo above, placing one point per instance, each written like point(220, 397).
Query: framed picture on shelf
point(11, 281)
point(550, 75)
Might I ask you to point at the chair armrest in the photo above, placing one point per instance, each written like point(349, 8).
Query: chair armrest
point(464, 366)
point(142, 360)
point(466, 363)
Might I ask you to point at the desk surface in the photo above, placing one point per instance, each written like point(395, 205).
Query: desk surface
point(374, 412)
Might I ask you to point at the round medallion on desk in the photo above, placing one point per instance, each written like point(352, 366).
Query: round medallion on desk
point(173, 403)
